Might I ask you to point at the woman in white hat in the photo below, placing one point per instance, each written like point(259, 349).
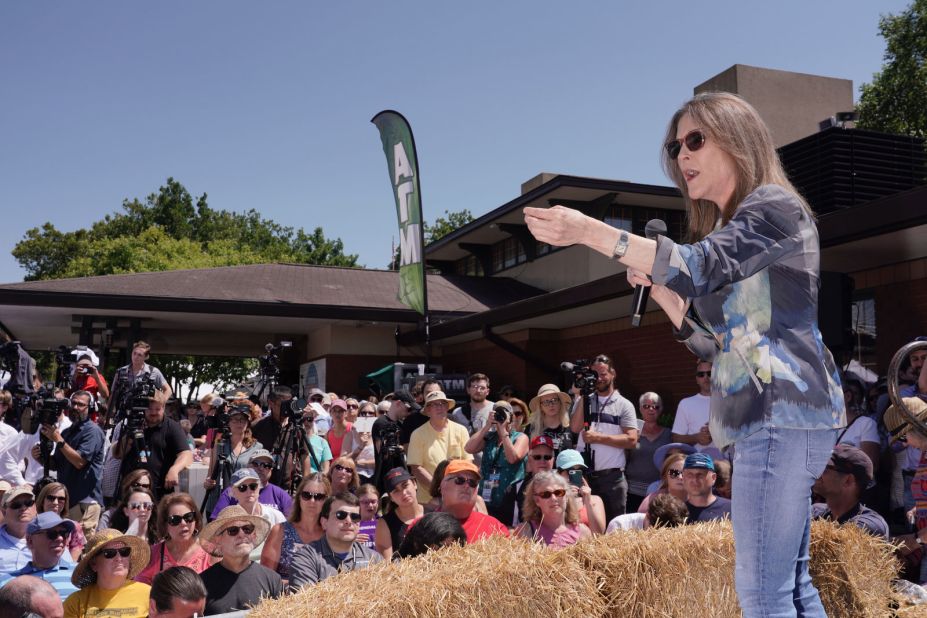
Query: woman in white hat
point(104, 577)
point(550, 415)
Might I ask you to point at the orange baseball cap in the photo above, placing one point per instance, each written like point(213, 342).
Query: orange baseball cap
point(462, 465)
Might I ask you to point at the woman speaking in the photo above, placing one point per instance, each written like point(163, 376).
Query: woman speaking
point(743, 293)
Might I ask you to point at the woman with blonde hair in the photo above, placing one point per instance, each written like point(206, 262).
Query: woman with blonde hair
point(670, 481)
point(179, 522)
point(302, 527)
point(54, 497)
point(742, 294)
point(343, 475)
point(136, 479)
point(550, 515)
point(550, 416)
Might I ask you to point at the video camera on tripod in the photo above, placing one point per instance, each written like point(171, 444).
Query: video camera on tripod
point(584, 377)
point(131, 411)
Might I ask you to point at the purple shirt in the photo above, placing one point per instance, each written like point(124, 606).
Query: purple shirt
point(270, 495)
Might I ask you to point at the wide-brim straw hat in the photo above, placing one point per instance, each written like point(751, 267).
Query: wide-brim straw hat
point(434, 396)
point(548, 389)
point(897, 423)
point(84, 576)
point(236, 513)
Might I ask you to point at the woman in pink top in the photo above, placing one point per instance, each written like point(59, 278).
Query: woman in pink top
point(179, 522)
point(549, 515)
point(340, 427)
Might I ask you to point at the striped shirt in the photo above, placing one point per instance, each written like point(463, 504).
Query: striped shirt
point(59, 576)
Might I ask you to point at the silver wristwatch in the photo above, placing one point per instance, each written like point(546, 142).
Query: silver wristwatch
point(621, 247)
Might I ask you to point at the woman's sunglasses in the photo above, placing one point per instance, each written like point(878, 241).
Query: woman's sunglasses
point(340, 468)
point(547, 494)
point(174, 520)
point(140, 506)
point(693, 140)
point(308, 495)
point(141, 485)
point(233, 530)
point(246, 486)
point(542, 457)
point(110, 553)
point(675, 474)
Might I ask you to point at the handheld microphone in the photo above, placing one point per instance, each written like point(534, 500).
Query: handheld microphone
point(654, 228)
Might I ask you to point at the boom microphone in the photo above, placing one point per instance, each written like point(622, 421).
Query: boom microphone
point(654, 228)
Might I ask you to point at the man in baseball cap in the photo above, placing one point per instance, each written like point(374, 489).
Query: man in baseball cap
point(270, 495)
point(847, 475)
point(541, 455)
point(47, 538)
point(698, 478)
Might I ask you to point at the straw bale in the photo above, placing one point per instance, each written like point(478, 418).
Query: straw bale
point(685, 571)
point(496, 577)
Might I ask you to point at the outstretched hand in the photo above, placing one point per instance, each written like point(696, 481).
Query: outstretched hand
point(558, 226)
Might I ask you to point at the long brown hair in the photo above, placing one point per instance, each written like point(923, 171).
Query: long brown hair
point(737, 129)
point(296, 513)
point(40, 500)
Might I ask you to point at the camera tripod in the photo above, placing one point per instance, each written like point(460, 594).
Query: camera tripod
point(288, 457)
point(222, 471)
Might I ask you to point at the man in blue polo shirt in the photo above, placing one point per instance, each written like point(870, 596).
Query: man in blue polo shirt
point(47, 537)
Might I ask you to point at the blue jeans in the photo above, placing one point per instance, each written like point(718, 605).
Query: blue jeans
point(771, 513)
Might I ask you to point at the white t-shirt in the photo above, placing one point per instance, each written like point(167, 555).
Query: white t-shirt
point(691, 415)
point(628, 521)
point(34, 470)
point(617, 414)
point(862, 430)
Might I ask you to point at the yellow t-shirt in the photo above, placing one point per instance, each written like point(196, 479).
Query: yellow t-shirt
point(130, 601)
point(428, 448)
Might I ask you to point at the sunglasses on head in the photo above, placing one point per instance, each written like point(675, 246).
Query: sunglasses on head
point(246, 486)
point(309, 495)
point(110, 553)
point(174, 520)
point(24, 504)
point(234, 530)
point(547, 494)
point(693, 140)
point(460, 480)
point(342, 515)
point(262, 464)
point(542, 457)
point(55, 533)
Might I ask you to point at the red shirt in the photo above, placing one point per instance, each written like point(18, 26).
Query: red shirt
point(479, 526)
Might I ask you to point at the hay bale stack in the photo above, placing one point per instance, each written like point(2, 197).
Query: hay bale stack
point(497, 577)
point(686, 571)
point(852, 571)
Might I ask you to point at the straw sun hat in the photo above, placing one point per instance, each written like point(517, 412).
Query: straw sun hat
point(548, 389)
point(232, 514)
point(84, 576)
point(895, 421)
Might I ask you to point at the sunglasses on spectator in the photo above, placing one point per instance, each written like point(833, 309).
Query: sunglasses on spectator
point(547, 494)
point(518, 413)
point(233, 531)
point(702, 374)
point(342, 515)
point(110, 553)
point(650, 406)
point(262, 464)
point(141, 485)
point(24, 504)
point(55, 498)
point(140, 506)
point(460, 480)
point(308, 495)
point(341, 468)
point(174, 520)
point(367, 413)
point(352, 406)
point(246, 486)
point(550, 402)
point(675, 474)
point(542, 457)
point(693, 140)
point(55, 533)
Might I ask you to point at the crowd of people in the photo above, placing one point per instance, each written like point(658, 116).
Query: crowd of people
point(113, 532)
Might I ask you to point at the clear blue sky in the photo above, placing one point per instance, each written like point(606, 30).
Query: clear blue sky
point(267, 105)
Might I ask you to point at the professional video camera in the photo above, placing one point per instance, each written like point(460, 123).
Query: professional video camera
point(270, 362)
point(46, 410)
point(132, 411)
point(584, 377)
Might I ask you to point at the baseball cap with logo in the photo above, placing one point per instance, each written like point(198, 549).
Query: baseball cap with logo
point(699, 461)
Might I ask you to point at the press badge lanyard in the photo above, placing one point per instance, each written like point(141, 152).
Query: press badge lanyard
point(493, 481)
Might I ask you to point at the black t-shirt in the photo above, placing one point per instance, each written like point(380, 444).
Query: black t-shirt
point(266, 431)
point(164, 443)
point(562, 436)
point(412, 422)
point(199, 429)
point(719, 509)
point(228, 592)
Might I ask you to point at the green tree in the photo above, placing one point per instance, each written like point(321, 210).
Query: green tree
point(170, 231)
point(223, 372)
point(896, 100)
point(441, 227)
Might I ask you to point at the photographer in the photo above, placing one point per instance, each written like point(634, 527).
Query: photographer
point(503, 461)
point(78, 458)
point(386, 433)
point(166, 449)
point(268, 429)
point(88, 378)
point(35, 466)
point(124, 380)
